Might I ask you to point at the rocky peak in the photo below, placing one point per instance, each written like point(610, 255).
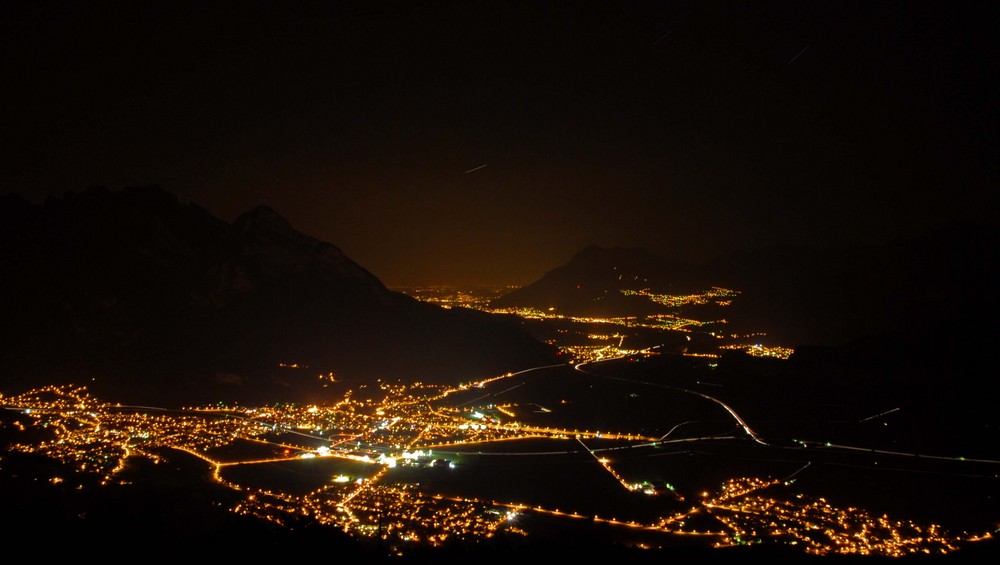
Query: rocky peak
point(264, 220)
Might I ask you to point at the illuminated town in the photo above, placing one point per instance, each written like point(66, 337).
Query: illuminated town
point(374, 432)
point(500, 283)
point(479, 298)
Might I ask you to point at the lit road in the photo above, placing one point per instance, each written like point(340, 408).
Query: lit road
point(88, 431)
point(753, 435)
point(828, 445)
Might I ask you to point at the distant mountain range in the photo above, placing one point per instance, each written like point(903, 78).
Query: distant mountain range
point(591, 283)
point(143, 298)
point(945, 281)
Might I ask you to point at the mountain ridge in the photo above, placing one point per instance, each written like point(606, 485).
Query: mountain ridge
point(798, 294)
point(159, 298)
point(590, 283)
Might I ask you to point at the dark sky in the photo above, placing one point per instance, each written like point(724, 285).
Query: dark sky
point(486, 142)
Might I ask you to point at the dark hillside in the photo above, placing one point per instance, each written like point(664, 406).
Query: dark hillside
point(144, 298)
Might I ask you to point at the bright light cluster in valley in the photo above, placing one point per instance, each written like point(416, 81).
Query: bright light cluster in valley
point(405, 426)
point(758, 350)
point(481, 298)
point(717, 295)
point(822, 529)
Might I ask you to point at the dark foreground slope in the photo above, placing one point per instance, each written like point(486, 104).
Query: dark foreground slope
point(146, 299)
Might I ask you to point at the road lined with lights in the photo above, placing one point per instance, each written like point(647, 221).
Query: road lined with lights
point(404, 429)
point(746, 427)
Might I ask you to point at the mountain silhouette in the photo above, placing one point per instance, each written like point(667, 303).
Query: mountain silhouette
point(939, 283)
point(591, 283)
point(142, 298)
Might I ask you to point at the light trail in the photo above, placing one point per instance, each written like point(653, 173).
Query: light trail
point(896, 453)
point(484, 382)
point(473, 400)
point(746, 427)
point(803, 468)
point(675, 427)
point(607, 467)
point(508, 389)
point(879, 415)
point(437, 447)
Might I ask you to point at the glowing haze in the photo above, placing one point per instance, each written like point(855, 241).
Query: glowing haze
point(484, 142)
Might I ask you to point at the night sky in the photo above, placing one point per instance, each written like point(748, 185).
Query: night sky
point(486, 142)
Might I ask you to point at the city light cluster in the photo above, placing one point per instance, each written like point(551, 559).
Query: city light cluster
point(821, 528)
point(716, 295)
point(758, 350)
point(404, 427)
